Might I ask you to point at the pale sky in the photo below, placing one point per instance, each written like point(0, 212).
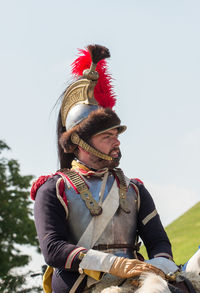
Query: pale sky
point(155, 63)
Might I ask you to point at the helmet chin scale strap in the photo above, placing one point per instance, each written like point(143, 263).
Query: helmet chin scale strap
point(78, 141)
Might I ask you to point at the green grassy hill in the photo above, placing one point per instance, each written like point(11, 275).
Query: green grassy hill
point(184, 234)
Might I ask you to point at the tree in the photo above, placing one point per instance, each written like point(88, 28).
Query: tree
point(16, 224)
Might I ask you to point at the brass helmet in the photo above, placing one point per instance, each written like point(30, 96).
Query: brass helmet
point(87, 103)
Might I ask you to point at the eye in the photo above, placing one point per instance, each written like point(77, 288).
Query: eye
point(107, 136)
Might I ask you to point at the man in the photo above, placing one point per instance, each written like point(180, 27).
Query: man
point(89, 215)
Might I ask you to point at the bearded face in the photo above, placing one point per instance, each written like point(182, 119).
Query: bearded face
point(98, 163)
point(107, 143)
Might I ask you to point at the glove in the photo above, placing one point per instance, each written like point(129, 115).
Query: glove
point(127, 268)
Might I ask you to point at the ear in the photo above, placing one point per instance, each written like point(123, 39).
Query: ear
point(82, 150)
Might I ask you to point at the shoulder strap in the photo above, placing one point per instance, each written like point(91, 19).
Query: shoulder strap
point(81, 188)
point(123, 183)
point(136, 188)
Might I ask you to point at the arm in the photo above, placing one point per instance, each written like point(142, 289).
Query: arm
point(51, 226)
point(150, 228)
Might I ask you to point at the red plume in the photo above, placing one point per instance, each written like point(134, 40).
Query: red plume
point(103, 91)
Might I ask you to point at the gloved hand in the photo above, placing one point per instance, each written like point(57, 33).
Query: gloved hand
point(127, 268)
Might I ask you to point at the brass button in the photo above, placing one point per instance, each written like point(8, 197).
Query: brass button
point(80, 271)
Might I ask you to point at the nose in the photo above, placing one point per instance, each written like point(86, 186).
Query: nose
point(116, 142)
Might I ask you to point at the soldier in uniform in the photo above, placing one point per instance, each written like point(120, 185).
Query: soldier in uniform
point(89, 215)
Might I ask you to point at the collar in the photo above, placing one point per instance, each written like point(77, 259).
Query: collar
point(84, 170)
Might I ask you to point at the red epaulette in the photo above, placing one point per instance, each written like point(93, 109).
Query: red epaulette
point(37, 183)
point(41, 180)
point(140, 181)
point(135, 186)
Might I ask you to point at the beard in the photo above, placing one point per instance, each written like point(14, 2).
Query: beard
point(99, 163)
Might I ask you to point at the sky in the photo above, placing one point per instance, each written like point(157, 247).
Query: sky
point(155, 64)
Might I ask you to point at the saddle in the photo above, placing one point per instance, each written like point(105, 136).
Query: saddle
point(181, 285)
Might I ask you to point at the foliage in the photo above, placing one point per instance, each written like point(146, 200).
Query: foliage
point(16, 225)
point(17, 284)
point(184, 235)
